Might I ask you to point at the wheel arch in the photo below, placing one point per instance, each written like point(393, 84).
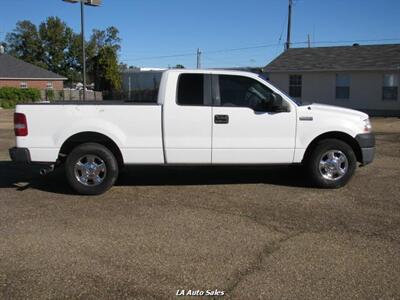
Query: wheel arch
point(338, 135)
point(91, 137)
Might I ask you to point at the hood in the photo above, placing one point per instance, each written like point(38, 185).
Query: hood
point(337, 109)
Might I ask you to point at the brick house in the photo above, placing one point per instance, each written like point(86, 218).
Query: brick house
point(360, 77)
point(19, 74)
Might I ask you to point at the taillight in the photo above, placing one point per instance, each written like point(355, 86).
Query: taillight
point(20, 125)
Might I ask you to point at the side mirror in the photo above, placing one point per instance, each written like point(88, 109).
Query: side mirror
point(273, 103)
point(277, 103)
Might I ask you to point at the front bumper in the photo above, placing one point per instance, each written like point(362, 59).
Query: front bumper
point(366, 141)
point(21, 155)
point(368, 155)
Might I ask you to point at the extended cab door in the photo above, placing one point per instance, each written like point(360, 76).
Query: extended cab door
point(188, 119)
point(248, 125)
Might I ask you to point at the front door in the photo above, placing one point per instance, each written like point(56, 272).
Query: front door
point(247, 127)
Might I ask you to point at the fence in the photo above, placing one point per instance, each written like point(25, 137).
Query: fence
point(70, 95)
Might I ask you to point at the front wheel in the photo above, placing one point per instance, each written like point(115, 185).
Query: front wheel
point(331, 164)
point(91, 169)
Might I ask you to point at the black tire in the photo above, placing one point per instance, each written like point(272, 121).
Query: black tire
point(319, 153)
point(103, 156)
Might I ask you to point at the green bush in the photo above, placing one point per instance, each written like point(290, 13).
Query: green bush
point(7, 104)
point(50, 95)
point(13, 96)
point(60, 95)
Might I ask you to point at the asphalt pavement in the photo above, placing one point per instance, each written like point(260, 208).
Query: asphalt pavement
point(251, 233)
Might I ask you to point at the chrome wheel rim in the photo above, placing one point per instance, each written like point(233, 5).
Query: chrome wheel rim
point(333, 165)
point(90, 170)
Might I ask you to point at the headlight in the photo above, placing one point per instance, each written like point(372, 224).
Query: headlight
point(367, 126)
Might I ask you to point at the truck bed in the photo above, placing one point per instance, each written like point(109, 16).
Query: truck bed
point(104, 102)
point(136, 129)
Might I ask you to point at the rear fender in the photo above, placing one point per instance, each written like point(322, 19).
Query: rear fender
point(95, 125)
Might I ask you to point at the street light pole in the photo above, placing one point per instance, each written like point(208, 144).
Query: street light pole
point(83, 48)
point(83, 3)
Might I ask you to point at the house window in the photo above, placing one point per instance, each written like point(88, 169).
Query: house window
point(390, 87)
point(342, 86)
point(49, 85)
point(295, 83)
point(23, 85)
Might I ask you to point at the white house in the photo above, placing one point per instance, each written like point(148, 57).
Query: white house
point(360, 77)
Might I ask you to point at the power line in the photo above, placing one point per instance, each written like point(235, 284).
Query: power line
point(224, 61)
point(194, 54)
point(205, 52)
point(351, 41)
point(162, 56)
point(283, 30)
point(240, 49)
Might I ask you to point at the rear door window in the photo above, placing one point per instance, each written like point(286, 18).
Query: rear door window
point(191, 89)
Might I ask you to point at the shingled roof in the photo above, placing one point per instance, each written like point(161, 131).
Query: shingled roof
point(343, 58)
point(13, 68)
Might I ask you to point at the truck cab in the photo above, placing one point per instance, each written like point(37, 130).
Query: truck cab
point(226, 118)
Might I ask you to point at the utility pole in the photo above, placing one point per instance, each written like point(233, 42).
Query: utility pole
point(309, 41)
point(198, 58)
point(289, 29)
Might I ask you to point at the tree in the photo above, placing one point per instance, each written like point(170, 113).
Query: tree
point(56, 38)
point(106, 68)
point(102, 59)
point(179, 66)
point(123, 67)
point(73, 59)
point(24, 43)
point(53, 46)
point(56, 47)
point(101, 38)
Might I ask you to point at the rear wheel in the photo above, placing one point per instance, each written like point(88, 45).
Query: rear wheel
point(331, 164)
point(91, 169)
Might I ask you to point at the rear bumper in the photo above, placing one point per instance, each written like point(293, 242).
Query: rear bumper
point(21, 155)
point(367, 145)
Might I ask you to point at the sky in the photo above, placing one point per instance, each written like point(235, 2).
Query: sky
point(230, 33)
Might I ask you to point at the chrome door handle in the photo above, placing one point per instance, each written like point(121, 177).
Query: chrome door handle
point(221, 119)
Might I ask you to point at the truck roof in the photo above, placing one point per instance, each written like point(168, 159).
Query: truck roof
point(213, 71)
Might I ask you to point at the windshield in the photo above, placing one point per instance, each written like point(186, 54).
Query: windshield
point(297, 101)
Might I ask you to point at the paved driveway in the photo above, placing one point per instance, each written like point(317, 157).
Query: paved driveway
point(254, 233)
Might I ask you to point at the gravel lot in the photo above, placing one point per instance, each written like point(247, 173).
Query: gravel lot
point(254, 233)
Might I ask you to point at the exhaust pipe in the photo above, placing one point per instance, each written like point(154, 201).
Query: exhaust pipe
point(46, 171)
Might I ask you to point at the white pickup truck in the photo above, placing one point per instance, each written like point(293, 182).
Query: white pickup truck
point(201, 117)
